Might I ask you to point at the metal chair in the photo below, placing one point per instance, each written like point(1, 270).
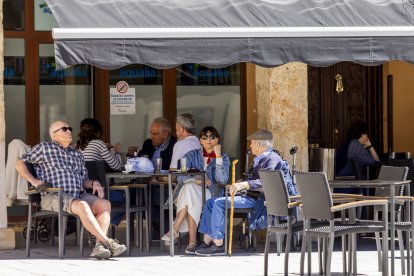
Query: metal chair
point(392, 173)
point(317, 204)
point(278, 205)
point(96, 170)
point(246, 240)
point(34, 198)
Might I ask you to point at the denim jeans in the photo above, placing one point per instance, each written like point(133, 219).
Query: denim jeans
point(213, 219)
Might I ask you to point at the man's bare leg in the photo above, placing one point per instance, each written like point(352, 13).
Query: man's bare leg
point(84, 212)
point(102, 210)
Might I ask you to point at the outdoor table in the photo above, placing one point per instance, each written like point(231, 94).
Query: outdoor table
point(378, 184)
point(169, 175)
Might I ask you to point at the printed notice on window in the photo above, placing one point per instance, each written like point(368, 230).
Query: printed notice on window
point(122, 100)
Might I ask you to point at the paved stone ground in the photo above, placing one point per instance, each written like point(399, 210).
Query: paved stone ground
point(44, 261)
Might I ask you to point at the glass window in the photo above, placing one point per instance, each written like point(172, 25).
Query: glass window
point(64, 94)
point(13, 15)
point(132, 129)
point(14, 89)
point(43, 17)
point(213, 97)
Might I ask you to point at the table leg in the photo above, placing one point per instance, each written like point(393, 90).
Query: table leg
point(170, 212)
point(162, 244)
point(392, 220)
point(149, 220)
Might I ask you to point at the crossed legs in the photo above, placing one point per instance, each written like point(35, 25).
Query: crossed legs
point(95, 219)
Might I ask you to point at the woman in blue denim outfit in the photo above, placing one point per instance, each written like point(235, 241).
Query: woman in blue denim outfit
point(189, 205)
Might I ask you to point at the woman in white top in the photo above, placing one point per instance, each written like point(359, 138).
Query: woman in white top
point(93, 148)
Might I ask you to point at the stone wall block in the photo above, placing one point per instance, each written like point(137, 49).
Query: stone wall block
point(283, 108)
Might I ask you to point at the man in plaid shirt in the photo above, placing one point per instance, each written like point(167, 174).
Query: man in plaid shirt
point(58, 163)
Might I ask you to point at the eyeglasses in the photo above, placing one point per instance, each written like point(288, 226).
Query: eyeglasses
point(64, 129)
point(212, 137)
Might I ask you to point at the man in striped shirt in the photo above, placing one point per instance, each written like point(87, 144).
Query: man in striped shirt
point(58, 163)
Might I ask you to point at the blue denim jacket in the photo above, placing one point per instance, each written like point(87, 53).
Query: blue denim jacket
point(216, 173)
point(269, 161)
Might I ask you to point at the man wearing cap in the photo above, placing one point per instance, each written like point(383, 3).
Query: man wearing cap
point(213, 218)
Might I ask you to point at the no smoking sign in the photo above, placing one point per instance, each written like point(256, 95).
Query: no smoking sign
point(122, 87)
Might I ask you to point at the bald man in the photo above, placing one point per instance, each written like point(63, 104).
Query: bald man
point(58, 163)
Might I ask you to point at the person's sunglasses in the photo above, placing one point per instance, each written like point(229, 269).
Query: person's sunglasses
point(212, 137)
point(64, 129)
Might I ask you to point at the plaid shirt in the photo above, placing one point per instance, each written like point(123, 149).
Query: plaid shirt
point(62, 167)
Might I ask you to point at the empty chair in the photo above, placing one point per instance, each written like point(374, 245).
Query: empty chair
point(317, 204)
point(96, 170)
point(392, 173)
point(278, 205)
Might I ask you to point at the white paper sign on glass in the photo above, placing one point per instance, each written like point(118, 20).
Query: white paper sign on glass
point(122, 99)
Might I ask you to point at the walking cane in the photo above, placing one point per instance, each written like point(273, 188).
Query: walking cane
point(233, 180)
point(293, 152)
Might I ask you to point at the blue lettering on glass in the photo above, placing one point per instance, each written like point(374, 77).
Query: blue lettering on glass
point(45, 8)
point(214, 73)
point(75, 73)
point(137, 73)
point(206, 73)
point(9, 73)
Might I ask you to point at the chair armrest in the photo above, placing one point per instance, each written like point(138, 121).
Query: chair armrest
point(295, 198)
point(405, 198)
point(126, 186)
point(48, 190)
point(355, 204)
point(294, 204)
point(334, 195)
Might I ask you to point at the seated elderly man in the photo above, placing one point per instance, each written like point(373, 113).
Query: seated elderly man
point(213, 218)
point(58, 163)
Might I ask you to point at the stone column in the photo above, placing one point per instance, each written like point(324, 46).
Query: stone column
point(282, 108)
point(7, 236)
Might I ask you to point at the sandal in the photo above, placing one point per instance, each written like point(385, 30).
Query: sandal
point(166, 236)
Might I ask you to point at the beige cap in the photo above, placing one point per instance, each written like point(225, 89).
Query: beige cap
point(261, 134)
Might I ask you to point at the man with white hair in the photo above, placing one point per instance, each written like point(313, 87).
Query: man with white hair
point(58, 163)
point(185, 129)
point(213, 218)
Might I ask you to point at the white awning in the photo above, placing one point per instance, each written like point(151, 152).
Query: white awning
point(216, 33)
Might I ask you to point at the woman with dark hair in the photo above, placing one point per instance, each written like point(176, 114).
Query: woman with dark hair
point(360, 148)
point(189, 201)
point(93, 148)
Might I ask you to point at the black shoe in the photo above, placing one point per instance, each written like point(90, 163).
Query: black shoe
point(211, 250)
point(192, 250)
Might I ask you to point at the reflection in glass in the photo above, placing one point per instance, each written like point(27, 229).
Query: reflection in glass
point(64, 94)
point(196, 74)
point(14, 89)
point(13, 15)
point(213, 97)
point(147, 81)
point(44, 19)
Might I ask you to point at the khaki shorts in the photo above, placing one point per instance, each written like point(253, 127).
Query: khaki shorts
point(50, 202)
